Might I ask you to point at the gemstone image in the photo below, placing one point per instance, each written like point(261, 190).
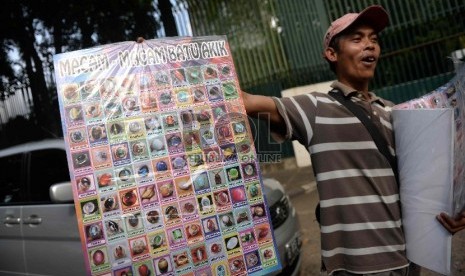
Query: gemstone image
point(94, 232)
point(133, 220)
point(161, 166)
point(125, 174)
point(109, 203)
point(143, 171)
point(179, 163)
point(174, 141)
point(157, 144)
point(165, 98)
point(129, 198)
point(237, 194)
point(113, 227)
point(77, 136)
point(183, 97)
point(98, 257)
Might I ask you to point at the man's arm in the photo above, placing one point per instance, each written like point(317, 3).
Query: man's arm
point(257, 105)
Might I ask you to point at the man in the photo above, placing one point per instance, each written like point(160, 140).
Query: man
point(361, 227)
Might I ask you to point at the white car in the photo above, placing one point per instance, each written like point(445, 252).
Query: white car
point(38, 230)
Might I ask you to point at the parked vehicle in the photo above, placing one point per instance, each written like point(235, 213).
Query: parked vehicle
point(38, 230)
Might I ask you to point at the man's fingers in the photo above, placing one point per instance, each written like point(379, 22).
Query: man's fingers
point(444, 224)
point(452, 225)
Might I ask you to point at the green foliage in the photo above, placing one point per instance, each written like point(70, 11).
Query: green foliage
point(38, 29)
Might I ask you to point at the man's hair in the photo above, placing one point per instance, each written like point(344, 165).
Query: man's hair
point(334, 43)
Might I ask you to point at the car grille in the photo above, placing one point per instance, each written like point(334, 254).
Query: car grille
point(279, 212)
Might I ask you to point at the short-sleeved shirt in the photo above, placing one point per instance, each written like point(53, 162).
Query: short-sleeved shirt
point(361, 226)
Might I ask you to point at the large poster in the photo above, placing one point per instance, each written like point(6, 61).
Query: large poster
point(431, 169)
point(450, 95)
point(425, 158)
point(162, 160)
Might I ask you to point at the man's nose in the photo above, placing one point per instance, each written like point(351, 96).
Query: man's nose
point(369, 44)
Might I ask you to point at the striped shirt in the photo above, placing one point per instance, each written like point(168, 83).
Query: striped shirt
point(361, 227)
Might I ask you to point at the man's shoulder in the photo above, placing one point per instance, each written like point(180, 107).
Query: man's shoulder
point(307, 99)
point(386, 103)
point(314, 94)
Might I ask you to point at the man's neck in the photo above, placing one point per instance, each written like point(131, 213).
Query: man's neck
point(361, 87)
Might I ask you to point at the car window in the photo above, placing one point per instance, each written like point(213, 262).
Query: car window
point(11, 179)
point(46, 167)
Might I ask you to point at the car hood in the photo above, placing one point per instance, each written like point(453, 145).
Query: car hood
point(274, 191)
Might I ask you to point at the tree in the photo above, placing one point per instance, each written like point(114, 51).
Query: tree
point(38, 29)
point(166, 16)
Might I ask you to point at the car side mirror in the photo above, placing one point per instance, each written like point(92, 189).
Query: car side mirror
point(61, 192)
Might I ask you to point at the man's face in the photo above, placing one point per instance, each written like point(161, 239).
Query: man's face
point(357, 56)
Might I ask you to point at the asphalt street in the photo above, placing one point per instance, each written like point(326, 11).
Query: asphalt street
point(301, 188)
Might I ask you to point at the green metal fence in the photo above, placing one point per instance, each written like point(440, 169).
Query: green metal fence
point(277, 44)
point(256, 46)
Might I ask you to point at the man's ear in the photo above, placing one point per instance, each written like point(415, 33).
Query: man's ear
point(331, 54)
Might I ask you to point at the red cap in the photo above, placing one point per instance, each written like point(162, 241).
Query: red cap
point(376, 16)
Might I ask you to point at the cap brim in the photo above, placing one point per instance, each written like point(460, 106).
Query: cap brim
point(376, 16)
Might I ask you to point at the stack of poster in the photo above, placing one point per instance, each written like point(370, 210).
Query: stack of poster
point(162, 160)
point(430, 148)
point(450, 95)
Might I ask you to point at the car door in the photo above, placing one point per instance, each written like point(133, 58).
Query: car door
point(52, 244)
point(12, 259)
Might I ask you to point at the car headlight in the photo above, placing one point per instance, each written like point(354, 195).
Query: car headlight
point(280, 211)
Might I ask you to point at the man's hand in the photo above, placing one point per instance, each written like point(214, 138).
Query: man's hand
point(453, 225)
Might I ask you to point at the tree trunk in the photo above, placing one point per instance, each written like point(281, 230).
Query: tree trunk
point(166, 16)
point(34, 69)
point(57, 36)
point(86, 31)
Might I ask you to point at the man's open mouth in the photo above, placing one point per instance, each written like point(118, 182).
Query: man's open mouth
point(368, 59)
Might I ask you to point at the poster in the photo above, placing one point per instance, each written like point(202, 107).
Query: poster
point(162, 161)
point(425, 161)
point(450, 95)
point(431, 170)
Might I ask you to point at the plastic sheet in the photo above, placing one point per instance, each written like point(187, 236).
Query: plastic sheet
point(162, 160)
point(450, 95)
point(425, 161)
point(430, 145)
